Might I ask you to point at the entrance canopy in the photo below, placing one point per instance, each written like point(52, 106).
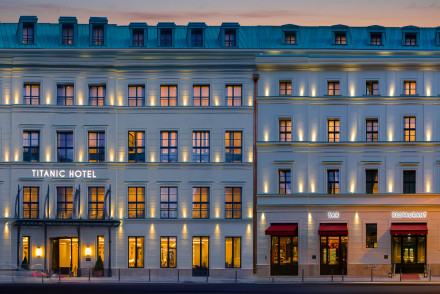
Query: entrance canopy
point(282, 229)
point(333, 230)
point(409, 229)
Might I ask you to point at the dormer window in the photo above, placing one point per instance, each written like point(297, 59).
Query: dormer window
point(67, 34)
point(290, 38)
point(98, 35)
point(230, 38)
point(166, 37)
point(340, 38)
point(28, 33)
point(138, 37)
point(375, 38)
point(196, 38)
point(410, 39)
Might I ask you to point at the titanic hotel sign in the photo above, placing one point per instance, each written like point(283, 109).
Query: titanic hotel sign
point(64, 173)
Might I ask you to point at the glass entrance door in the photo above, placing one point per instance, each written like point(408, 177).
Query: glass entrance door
point(65, 255)
point(200, 256)
point(333, 255)
point(409, 253)
point(284, 255)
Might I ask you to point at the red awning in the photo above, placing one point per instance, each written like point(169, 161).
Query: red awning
point(333, 230)
point(409, 229)
point(282, 229)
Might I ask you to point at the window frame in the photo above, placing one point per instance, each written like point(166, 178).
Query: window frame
point(31, 99)
point(65, 148)
point(139, 205)
point(334, 187)
point(203, 213)
point(232, 253)
point(100, 150)
point(284, 131)
point(136, 252)
point(230, 38)
point(202, 100)
point(410, 41)
point(231, 156)
point(284, 186)
point(371, 182)
point(135, 37)
point(285, 88)
point(133, 151)
point(65, 207)
point(376, 38)
point(340, 38)
point(169, 101)
point(98, 34)
point(168, 252)
point(167, 207)
point(66, 37)
point(166, 37)
point(94, 210)
point(369, 130)
point(409, 187)
point(33, 210)
point(29, 37)
point(233, 209)
point(30, 153)
point(366, 236)
point(172, 154)
point(199, 42)
point(336, 132)
point(65, 100)
point(336, 90)
point(138, 99)
point(408, 89)
point(97, 100)
point(288, 40)
point(374, 91)
point(233, 100)
point(201, 152)
point(409, 133)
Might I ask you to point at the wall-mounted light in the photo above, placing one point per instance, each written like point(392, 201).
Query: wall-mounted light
point(88, 251)
point(38, 252)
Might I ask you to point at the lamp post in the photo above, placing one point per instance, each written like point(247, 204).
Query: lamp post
point(88, 254)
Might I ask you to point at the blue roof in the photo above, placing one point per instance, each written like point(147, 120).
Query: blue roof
point(249, 37)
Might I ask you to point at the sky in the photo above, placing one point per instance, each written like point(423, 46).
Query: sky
point(423, 13)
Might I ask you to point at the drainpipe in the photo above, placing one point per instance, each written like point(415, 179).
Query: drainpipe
point(255, 77)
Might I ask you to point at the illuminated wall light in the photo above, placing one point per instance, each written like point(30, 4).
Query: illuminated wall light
point(428, 136)
point(312, 188)
point(301, 92)
point(217, 158)
point(263, 216)
point(356, 218)
point(121, 213)
point(391, 91)
point(250, 101)
point(313, 137)
point(88, 251)
point(152, 102)
point(428, 188)
point(6, 212)
point(185, 101)
point(353, 136)
point(428, 91)
point(300, 135)
point(6, 156)
point(121, 156)
point(249, 229)
point(217, 213)
point(250, 157)
point(16, 99)
point(152, 158)
point(390, 136)
point(267, 91)
point(47, 99)
point(216, 102)
point(250, 213)
point(184, 212)
point(6, 99)
point(112, 156)
point(48, 155)
point(184, 229)
point(38, 252)
point(309, 218)
point(300, 188)
point(152, 212)
point(6, 230)
point(184, 156)
point(80, 156)
point(266, 136)
point(352, 92)
point(266, 188)
point(16, 156)
point(390, 187)
point(217, 229)
point(152, 230)
point(313, 92)
point(352, 188)
point(120, 102)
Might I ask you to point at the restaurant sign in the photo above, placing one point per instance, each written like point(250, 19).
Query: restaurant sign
point(63, 173)
point(412, 214)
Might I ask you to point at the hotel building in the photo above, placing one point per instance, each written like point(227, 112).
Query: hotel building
point(219, 150)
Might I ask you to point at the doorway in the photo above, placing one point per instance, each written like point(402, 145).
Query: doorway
point(200, 256)
point(409, 253)
point(65, 255)
point(333, 255)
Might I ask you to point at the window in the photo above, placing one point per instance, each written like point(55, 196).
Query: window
point(138, 37)
point(230, 38)
point(67, 34)
point(285, 88)
point(372, 130)
point(136, 95)
point(200, 256)
point(64, 202)
point(201, 146)
point(285, 180)
point(100, 247)
point(233, 146)
point(31, 146)
point(200, 206)
point(375, 38)
point(31, 94)
point(233, 202)
point(233, 95)
point(28, 33)
point(65, 147)
point(96, 202)
point(65, 95)
point(168, 95)
point(372, 88)
point(135, 252)
point(410, 88)
point(371, 185)
point(96, 146)
point(97, 95)
point(333, 130)
point(98, 35)
point(168, 147)
point(168, 202)
point(31, 202)
point(409, 181)
point(290, 38)
point(285, 130)
point(371, 236)
point(196, 38)
point(166, 37)
point(168, 251)
point(136, 146)
point(333, 181)
point(201, 95)
point(333, 88)
point(409, 128)
point(233, 252)
point(340, 38)
point(136, 202)
point(26, 245)
point(411, 39)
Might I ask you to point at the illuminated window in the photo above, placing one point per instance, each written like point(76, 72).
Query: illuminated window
point(64, 202)
point(28, 33)
point(97, 95)
point(375, 38)
point(230, 38)
point(233, 146)
point(410, 88)
point(200, 206)
point(333, 130)
point(65, 146)
point(166, 38)
point(136, 146)
point(201, 95)
point(200, 256)
point(31, 206)
point(410, 39)
point(233, 202)
point(100, 247)
point(96, 202)
point(233, 252)
point(371, 183)
point(233, 95)
point(285, 130)
point(31, 94)
point(333, 88)
point(25, 263)
point(290, 38)
point(65, 95)
point(333, 181)
point(168, 252)
point(136, 95)
point(168, 202)
point(31, 146)
point(135, 252)
point(201, 146)
point(285, 180)
point(372, 88)
point(136, 202)
point(372, 130)
point(168, 146)
point(370, 235)
point(409, 128)
point(285, 88)
point(168, 95)
point(138, 37)
point(196, 38)
point(67, 34)
point(96, 146)
point(409, 181)
point(340, 38)
point(98, 35)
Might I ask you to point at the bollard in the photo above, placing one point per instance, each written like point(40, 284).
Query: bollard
point(149, 275)
point(401, 275)
point(343, 275)
point(59, 274)
point(207, 277)
point(273, 280)
point(89, 275)
point(430, 274)
point(332, 275)
point(371, 273)
point(178, 275)
point(302, 276)
point(119, 274)
point(235, 277)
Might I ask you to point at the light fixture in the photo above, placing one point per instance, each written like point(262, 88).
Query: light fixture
point(38, 252)
point(88, 251)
